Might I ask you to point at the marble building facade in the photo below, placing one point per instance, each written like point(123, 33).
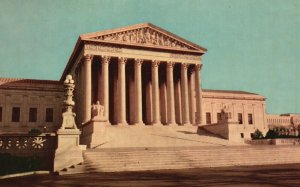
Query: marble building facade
point(156, 83)
point(27, 104)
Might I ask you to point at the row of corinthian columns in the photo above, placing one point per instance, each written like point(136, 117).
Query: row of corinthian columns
point(188, 98)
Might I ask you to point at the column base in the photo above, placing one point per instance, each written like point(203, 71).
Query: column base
point(197, 124)
point(122, 123)
point(172, 124)
point(157, 124)
point(186, 124)
point(139, 124)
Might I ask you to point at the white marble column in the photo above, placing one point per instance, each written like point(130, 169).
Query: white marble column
point(253, 115)
point(185, 96)
point(178, 102)
point(121, 91)
point(170, 94)
point(79, 95)
point(105, 84)
point(87, 100)
point(198, 94)
point(264, 115)
point(138, 91)
point(192, 100)
point(149, 104)
point(100, 83)
point(155, 94)
point(163, 100)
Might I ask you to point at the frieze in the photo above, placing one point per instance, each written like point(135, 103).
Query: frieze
point(187, 57)
point(119, 50)
point(102, 48)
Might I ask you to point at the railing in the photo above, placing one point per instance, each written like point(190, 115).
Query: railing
point(16, 143)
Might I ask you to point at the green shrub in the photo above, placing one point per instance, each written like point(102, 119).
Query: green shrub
point(257, 134)
point(271, 134)
point(35, 131)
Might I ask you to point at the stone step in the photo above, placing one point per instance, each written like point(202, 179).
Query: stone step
point(172, 166)
point(176, 165)
point(200, 161)
point(200, 158)
point(114, 160)
point(126, 162)
point(183, 155)
point(191, 150)
point(186, 153)
point(115, 155)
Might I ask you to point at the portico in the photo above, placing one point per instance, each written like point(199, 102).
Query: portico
point(141, 75)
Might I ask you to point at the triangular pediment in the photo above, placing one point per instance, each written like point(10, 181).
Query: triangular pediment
point(146, 35)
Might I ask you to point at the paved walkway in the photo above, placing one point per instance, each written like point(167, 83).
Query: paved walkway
point(277, 175)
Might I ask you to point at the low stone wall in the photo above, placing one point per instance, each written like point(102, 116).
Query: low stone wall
point(286, 141)
point(218, 129)
point(278, 141)
point(228, 131)
point(89, 133)
point(259, 142)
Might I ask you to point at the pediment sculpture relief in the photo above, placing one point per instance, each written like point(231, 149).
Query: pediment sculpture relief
point(146, 36)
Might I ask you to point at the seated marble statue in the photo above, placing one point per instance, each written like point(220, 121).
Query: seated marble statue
point(98, 111)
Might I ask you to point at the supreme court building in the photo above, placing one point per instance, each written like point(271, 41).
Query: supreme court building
point(139, 75)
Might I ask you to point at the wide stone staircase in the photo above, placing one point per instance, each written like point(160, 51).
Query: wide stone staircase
point(157, 158)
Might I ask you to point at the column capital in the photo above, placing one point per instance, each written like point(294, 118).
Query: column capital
point(122, 60)
point(138, 61)
point(198, 67)
point(191, 70)
point(87, 57)
point(155, 63)
point(106, 59)
point(170, 64)
point(185, 66)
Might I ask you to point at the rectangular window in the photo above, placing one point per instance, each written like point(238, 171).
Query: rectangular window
point(49, 114)
point(32, 114)
point(240, 118)
point(250, 120)
point(219, 117)
point(208, 118)
point(15, 117)
point(242, 135)
point(0, 114)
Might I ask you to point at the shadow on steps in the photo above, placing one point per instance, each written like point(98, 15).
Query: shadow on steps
point(203, 132)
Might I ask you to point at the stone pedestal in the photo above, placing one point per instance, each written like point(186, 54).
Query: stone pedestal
point(90, 132)
point(68, 150)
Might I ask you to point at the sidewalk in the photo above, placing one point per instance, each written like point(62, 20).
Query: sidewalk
point(276, 175)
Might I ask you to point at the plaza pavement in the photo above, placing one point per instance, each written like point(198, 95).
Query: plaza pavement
point(276, 175)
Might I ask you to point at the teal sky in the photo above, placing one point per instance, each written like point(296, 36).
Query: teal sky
point(253, 45)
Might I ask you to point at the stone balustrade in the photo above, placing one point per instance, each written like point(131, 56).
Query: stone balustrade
point(16, 144)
